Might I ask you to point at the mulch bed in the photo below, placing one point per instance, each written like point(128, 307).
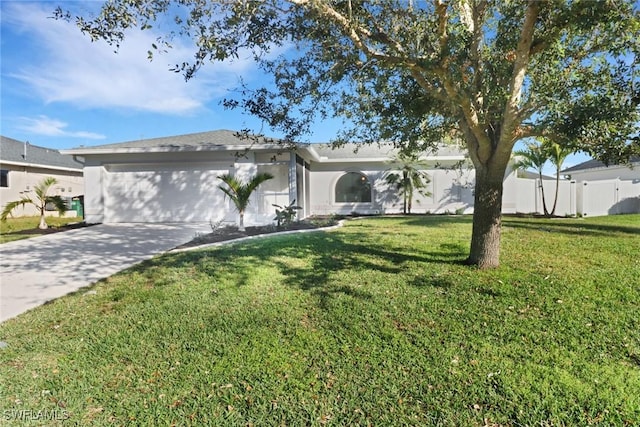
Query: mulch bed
point(52, 229)
point(224, 234)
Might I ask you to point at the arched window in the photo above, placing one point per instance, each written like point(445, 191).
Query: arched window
point(353, 187)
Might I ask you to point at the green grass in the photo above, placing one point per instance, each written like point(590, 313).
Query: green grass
point(375, 323)
point(14, 225)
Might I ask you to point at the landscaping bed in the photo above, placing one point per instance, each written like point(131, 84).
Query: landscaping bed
point(226, 233)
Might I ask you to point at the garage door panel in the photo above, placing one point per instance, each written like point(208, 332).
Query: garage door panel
point(164, 194)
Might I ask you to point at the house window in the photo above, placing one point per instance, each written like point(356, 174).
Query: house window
point(4, 178)
point(353, 187)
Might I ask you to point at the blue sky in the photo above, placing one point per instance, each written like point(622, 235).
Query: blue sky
point(60, 90)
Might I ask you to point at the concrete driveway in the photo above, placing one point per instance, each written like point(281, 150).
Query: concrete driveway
point(37, 270)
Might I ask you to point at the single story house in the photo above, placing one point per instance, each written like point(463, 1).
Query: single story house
point(174, 179)
point(23, 166)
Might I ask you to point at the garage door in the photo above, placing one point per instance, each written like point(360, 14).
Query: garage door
point(164, 193)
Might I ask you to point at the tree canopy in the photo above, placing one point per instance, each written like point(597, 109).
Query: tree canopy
point(490, 72)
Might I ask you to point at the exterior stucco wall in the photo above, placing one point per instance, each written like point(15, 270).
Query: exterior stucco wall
point(23, 179)
point(94, 194)
point(182, 186)
point(451, 190)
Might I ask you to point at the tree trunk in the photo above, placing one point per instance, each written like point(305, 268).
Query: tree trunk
point(404, 202)
point(241, 225)
point(555, 199)
point(544, 202)
point(43, 222)
point(487, 214)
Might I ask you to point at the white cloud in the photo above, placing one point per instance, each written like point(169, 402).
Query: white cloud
point(69, 68)
point(43, 125)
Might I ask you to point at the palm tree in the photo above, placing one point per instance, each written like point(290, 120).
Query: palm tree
point(534, 157)
point(40, 202)
point(557, 156)
point(411, 178)
point(240, 193)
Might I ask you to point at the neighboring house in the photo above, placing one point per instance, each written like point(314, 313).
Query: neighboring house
point(595, 170)
point(23, 166)
point(527, 174)
point(174, 179)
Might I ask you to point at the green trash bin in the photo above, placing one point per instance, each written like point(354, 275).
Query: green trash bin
point(77, 204)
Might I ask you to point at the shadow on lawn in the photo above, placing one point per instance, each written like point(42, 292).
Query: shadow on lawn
point(562, 225)
point(426, 220)
point(322, 256)
point(571, 227)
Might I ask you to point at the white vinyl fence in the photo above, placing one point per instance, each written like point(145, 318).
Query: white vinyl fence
point(610, 197)
point(585, 198)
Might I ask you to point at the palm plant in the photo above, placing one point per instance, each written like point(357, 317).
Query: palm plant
point(534, 157)
point(40, 201)
point(411, 178)
point(240, 192)
point(285, 214)
point(557, 156)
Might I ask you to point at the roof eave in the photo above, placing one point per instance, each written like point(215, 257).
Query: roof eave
point(631, 165)
point(40, 165)
point(185, 149)
point(325, 159)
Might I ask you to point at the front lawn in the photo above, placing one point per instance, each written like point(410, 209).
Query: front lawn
point(25, 227)
point(374, 323)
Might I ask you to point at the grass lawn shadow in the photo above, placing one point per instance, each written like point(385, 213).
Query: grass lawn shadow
point(322, 258)
point(570, 226)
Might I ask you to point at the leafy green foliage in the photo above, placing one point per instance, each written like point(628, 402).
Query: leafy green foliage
point(41, 200)
point(374, 323)
point(412, 178)
point(286, 214)
point(402, 71)
point(240, 193)
point(535, 156)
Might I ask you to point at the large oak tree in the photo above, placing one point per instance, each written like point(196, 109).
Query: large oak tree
point(491, 72)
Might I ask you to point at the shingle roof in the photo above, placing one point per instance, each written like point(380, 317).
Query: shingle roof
point(224, 138)
point(194, 140)
point(12, 150)
point(382, 150)
point(593, 164)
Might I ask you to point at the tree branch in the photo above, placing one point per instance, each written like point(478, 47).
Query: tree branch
point(443, 36)
point(522, 55)
point(358, 36)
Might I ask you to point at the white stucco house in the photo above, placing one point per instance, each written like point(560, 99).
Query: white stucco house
point(174, 179)
point(23, 166)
